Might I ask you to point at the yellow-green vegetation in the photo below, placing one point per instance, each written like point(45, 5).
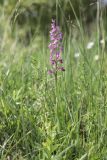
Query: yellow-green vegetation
point(38, 121)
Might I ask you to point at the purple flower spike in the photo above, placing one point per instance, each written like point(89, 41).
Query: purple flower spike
point(55, 47)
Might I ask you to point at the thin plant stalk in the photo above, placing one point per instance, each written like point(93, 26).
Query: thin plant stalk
point(56, 61)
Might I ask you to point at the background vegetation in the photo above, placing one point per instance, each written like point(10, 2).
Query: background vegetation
point(32, 125)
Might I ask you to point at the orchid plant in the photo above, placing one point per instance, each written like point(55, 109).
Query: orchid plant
point(56, 49)
point(56, 61)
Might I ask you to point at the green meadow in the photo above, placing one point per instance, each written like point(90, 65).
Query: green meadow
point(42, 120)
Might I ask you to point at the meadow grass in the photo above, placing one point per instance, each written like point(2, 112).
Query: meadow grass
point(32, 125)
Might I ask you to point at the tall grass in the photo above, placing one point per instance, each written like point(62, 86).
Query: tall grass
point(30, 126)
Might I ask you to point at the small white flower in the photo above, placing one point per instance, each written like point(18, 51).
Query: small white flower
point(76, 55)
point(96, 57)
point(90, 45)
point(104, 2)
point(102, 41)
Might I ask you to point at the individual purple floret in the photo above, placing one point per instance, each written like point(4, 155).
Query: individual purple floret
point(56, 48)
